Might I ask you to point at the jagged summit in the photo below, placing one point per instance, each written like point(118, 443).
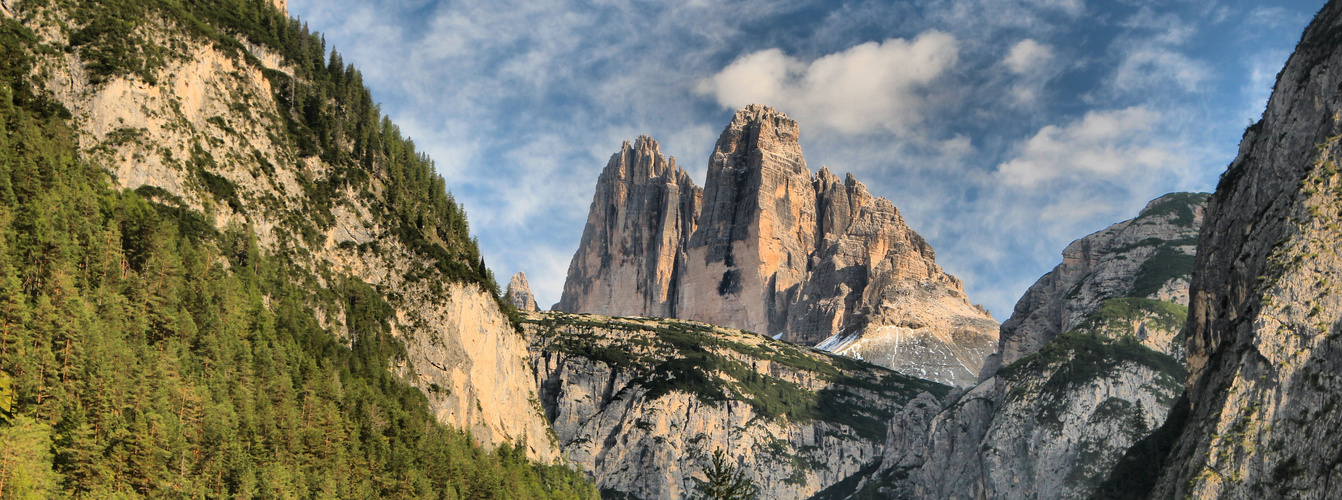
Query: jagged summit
point(768, 246)
point(643, 211)
point(519, 293)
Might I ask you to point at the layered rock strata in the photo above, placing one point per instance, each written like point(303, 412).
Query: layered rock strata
point(773, 249)
point(1149, 256)
point(1053, 422)
point(642, 404)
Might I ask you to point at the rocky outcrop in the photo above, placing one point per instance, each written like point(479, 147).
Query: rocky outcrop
point(633, 246)
point(1263, 329)
point(642, 404)
point(748, 259)
point(804, 257)
point(209, 135)
point(1150, 256)
point(1104, 372)
point(519, 293)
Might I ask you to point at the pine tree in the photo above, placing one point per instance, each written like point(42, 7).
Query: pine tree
point(725, 481)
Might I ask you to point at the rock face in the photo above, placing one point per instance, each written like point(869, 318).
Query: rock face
point(633, 246)
point(1263, 330)
point(1150, 256)
point(163, 138)
point(519, 293)
point(1103, 372)
point(747, 260)
point(641, 404)
point(775, 249)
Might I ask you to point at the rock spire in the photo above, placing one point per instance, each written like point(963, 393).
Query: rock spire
point(768, 246)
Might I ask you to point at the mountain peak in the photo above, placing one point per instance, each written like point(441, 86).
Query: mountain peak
point(519, 292)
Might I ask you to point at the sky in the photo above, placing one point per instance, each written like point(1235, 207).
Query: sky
point(1002, 129)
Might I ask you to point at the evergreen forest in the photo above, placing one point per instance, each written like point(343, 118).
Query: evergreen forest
point(146, 353)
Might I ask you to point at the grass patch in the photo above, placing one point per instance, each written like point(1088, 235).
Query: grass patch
point(1179, 204)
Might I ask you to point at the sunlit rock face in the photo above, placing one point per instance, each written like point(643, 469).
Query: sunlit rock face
point(1095, 365)
point(519, 293)
point(641, 404)
point(770, 247)
point(633, 246)
point(1263, 331)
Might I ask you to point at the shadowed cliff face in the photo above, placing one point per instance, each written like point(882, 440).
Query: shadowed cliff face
point(1263, 329)
point(775, 249)
point(1150, 256)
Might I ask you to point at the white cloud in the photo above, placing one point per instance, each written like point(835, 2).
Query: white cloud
point(1102, 145)
point(1156, 67)
point(869, 85)
point(1027, 57)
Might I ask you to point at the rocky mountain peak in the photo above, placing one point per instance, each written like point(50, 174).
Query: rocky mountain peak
point(519, 292)
point(759, 127)
point(643, 212)
point(773, 249)
point(640, 162)
point(1150, 257)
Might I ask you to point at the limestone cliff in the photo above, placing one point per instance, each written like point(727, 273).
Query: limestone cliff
point(1150, 256)
point(210, 127)
point(774, 249)
point(633, 246)
point(749, 256)
point(641, 404)
point(1054, 421)
point(519, 293)
point(877, 294)
point(1263, 329)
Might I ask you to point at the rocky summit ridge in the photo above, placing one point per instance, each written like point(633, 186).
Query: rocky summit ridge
point(768, 246)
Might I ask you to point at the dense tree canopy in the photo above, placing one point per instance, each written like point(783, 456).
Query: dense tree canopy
point(144, 352)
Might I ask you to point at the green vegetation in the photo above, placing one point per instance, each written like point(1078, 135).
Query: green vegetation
point(151, 354)
point(1166, 264)
point(1180, 204)
point(670, 356)
point(327, 111)
point(1135, 475)
point(1116, 317)
point(725, 481)
point(1078, 358)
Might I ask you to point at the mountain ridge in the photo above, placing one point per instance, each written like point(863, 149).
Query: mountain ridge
point(769, 246)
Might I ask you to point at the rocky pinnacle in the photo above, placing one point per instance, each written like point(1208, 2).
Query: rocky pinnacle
point(769, 247)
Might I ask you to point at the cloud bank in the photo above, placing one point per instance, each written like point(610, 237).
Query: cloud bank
point(872, 85)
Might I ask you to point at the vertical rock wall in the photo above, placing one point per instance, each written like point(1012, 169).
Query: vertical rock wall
point(632, 248)
point(774, 249)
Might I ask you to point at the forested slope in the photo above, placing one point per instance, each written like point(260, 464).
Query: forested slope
point(204, 329)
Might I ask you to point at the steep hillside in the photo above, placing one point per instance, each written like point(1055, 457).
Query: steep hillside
point(227, 273)
point(643, 403)
point(767, 246)
point(1053, 422)
point(1261, 413)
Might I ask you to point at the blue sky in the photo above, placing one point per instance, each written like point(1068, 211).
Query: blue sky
point(1002, 129)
